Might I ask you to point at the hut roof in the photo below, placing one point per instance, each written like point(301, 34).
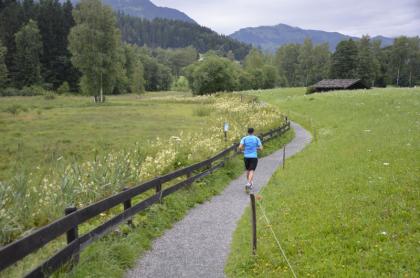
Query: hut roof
point(336, 83)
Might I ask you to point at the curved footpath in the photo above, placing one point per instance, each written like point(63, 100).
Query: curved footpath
point(199, 244)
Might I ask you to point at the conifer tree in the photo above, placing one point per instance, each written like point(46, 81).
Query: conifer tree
point(344, 60)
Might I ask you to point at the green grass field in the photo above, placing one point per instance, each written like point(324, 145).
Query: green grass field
point(36, 131)
point(69, 151)
point(349, 204)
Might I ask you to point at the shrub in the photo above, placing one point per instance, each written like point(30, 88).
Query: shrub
point(310, 90)
point(9, 92)
point(64, 88)
point(181, 85)
point(15, 109)
point(27, 91)
point(214, 74)
point(49, 95)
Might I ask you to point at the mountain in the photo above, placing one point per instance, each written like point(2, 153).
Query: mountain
point(270, 38)
point(146, 9)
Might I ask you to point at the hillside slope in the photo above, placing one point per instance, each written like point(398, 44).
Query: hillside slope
point(269, 38)
point(167, 33)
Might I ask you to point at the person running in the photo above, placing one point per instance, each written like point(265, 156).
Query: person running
point(250, 145)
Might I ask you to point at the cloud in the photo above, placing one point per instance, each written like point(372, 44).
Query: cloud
point(352, 17)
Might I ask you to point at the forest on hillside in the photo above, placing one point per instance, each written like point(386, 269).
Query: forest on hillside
point(167, 33)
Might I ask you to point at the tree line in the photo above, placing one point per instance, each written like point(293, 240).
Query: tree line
point(33, 43)
point(295, 65)
point(48, 45)
point(397, 65)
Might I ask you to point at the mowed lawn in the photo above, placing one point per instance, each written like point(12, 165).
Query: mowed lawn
point(36, 131)
point(348, 205)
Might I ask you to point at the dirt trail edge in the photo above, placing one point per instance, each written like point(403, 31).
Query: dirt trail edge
point(199, 244)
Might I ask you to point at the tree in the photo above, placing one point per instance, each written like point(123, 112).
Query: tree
point(3, 68)
point(11, 21)
point(382, 57)
point(270, 76)
point(262, 75)
point(256, 78)
point(134, 69)
point(180, 58)
point(367, 65)
point(180, 85)
point(286, 60)
point(94, 43)
point(214, 74)
point(321, 63)
point(414, 62)
point(157, 76)
point(254, 60)
point(55, 21)
point(344, 60)
point(305, 63)
point(28, 52)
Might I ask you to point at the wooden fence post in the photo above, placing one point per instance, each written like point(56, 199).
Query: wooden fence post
point(127, 205)
point(284, 157)
point(159, 190)
point(254, 224)
point(72, 235)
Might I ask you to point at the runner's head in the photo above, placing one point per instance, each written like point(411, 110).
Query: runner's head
point(250, 131)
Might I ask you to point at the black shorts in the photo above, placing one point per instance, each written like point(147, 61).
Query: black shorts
point(251, 163)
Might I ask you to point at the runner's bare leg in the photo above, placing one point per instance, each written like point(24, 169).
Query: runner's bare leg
point(250, 176)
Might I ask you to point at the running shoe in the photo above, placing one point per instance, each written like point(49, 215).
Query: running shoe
point(248, 188)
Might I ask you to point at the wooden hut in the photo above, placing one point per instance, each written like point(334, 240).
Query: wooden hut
point(337, 84)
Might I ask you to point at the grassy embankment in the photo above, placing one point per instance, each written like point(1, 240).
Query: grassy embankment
point(102, 154)
point(348, 205)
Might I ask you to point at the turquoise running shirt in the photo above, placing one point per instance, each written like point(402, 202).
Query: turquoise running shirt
point(251, 144)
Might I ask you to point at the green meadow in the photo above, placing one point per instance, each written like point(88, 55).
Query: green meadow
point(36, 131)
point(349, 204)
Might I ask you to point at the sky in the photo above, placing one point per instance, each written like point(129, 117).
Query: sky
point(351, 17)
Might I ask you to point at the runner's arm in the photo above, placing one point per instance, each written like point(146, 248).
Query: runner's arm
point(260, 146)
point(241, 145)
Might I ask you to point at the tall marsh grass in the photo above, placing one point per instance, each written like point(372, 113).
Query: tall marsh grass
point(36, 196)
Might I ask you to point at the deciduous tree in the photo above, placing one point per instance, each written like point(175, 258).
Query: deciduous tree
point(214, 74)
point(28, 52)
point(94, 43)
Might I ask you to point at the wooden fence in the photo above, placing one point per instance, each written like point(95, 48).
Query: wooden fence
point(17, 250)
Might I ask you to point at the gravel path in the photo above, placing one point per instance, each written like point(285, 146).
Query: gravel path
point(199, 244)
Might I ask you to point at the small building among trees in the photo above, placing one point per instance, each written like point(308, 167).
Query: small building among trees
point(337, 84)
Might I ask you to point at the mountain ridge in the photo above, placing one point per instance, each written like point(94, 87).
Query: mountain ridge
point(146, 9)
point(269, 38)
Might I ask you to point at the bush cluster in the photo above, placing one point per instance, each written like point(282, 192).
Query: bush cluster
point(27, 91)
point(218, 74)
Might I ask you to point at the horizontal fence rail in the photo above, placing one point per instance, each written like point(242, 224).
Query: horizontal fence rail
point(19, 249)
